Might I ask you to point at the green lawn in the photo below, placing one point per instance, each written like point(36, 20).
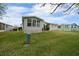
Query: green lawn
point(45, 43)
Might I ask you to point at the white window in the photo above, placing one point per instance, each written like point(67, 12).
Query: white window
point(34, 23)
point(71, 26)
point(29, 22)
point(38, 23)
point(66, 26)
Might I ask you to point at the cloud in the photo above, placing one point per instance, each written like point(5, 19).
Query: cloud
point(18, 9)
point(44, 13)
point(45, 9)
point(55, 20)
point(40, 11)
point(15, 14)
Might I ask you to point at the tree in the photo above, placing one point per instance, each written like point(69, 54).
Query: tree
point(61, 5)
point(2, 9)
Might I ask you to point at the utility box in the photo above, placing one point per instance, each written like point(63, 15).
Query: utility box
point(28, 37)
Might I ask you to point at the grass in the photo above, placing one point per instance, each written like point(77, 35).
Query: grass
point(42, 44)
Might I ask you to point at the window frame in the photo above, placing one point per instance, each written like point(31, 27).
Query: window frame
point(38, 23)
point(29, 21)
point(34, 23)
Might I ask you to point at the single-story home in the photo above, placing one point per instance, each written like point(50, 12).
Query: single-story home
point(70, 27)
point(5, 27)
point(32, 24)
point(55, 27)
point(64, 27)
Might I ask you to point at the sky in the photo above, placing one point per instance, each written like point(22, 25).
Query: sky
point(15, 12)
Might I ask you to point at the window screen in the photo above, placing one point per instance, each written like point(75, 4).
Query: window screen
point(38, 23)
point(29, 22)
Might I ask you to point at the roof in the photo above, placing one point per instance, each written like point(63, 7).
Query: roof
point(74, 24)
point(5, 23)
point(54, 24)
point(24, 17)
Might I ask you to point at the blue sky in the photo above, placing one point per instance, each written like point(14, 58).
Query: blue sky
point(17, 10)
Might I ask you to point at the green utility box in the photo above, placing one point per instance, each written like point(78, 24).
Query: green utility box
point(28, 37)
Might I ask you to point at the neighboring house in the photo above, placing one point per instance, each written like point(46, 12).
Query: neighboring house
point(5, 27)
point(70, 27)
point(64, 27)
point(54, 27)
point(33, 24)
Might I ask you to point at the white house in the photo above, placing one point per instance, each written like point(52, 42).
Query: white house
point(54, 27)
point(32, 24)
point(70, 27)
point(5, 27)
